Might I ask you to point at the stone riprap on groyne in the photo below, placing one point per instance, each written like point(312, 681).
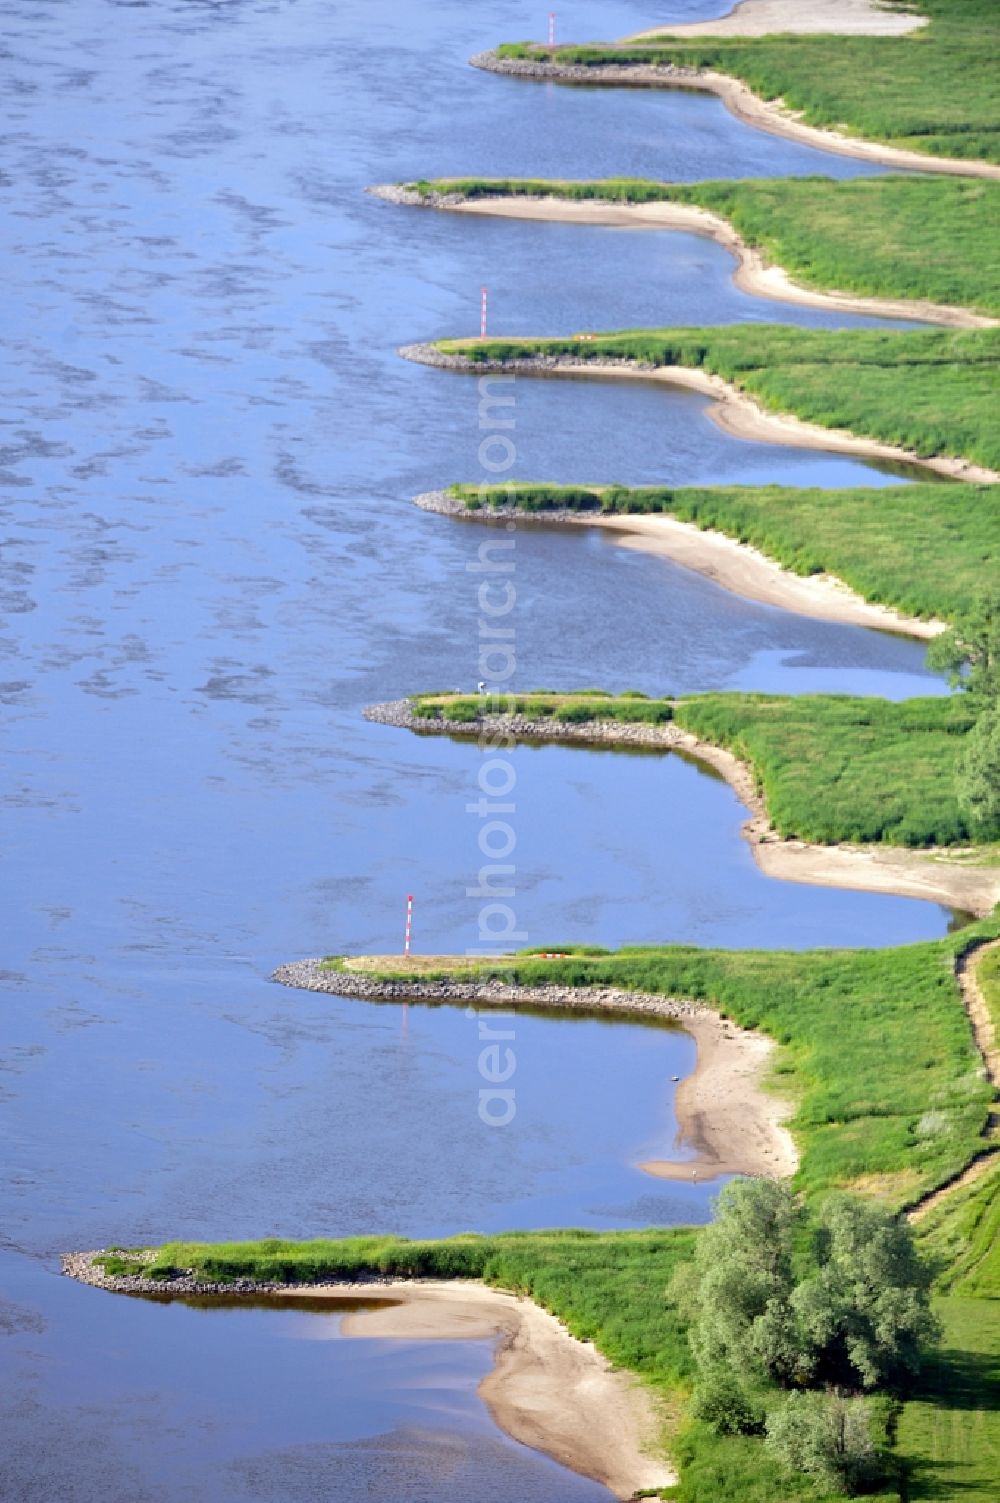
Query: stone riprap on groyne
point(82, 1267)
point(629, 75)
point(401, 713)
point(320, 976)
point(453, 506)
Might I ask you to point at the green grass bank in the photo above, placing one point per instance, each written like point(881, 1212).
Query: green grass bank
point(877, 1051)
point(895, 237)
point(830, 768)
point(934, 90)
point(932, 393)
point(923, 549)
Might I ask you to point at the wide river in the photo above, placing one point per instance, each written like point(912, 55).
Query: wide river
point(210, 564)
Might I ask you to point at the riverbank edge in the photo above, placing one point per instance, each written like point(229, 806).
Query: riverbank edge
point(547, 1389)
point(929, 875)
point(732, 410)
point(754, 275)
point(733, 1125)
point(981, 1022)
point(739, 567)
point(771, 116)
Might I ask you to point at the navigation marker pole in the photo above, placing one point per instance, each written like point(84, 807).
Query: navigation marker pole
point(552, 28)
point(482, 314)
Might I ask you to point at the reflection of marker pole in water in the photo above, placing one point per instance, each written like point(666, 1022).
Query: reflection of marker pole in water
point(405, 1021)
point(552, 28)
point(482, 316)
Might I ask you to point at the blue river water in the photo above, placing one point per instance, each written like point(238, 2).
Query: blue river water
point(210, 563)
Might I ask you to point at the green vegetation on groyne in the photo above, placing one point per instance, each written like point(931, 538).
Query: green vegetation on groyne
point(924, 549)
point(931, 392)
point(888, 237)
point(934, 90)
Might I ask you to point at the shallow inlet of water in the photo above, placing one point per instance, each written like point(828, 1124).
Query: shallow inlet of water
point(210, 564)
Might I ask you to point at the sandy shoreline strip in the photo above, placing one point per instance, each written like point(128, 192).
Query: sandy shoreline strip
point(951, 879)
point(547, 1389)
point(732, 410)
point(771, 116)
point(738, 567)
point(759, 18)
point(726, 1122)
point(753, 274)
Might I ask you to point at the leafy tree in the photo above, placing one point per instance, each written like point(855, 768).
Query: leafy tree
point(979, 773)
point(723, 1402)
point(970, 651)
point(865, 1310)
point(970, 654)
point(777, 1294)
point(827, 1437)
point(739, 1291)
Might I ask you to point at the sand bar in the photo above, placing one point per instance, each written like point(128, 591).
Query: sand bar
point(732, 410)
point(759, 18)
point(753, 274)
point(735, 566)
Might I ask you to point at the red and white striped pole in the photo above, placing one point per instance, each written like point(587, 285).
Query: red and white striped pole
point(409, 924)
point(482, 315)
point(552, 28)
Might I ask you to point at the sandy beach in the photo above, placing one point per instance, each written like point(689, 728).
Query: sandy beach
point(753, 274)
point(758, 18)
point(547, 1390)
point(722, 1111)
point(738, 567)
point(732, 410)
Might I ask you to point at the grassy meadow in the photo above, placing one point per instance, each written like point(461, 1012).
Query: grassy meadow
point(837, 768)
point(934, 91)
point(891, 237)
point(931, 392)
point(923, 549)
point(949, 1431)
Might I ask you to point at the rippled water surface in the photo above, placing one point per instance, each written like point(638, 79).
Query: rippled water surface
point(210, 563)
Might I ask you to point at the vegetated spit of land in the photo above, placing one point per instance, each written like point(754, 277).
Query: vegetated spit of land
point(924, 549)
point(929, 393)
point(883, 1104)
point(934, 91)
point(880, 237)
point(831, 768)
